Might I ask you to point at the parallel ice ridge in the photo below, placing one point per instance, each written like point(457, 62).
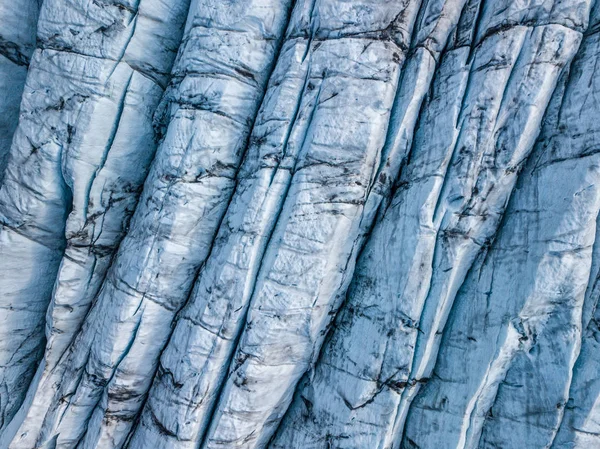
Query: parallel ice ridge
point(311, 224)
point(94, 81)
point(480, 124)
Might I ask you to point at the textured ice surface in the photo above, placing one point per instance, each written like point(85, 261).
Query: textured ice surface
point(309, 224)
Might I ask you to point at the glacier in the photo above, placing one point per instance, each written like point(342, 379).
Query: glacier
point(299, 224)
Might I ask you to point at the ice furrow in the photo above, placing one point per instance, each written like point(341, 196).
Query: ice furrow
point(82, 99)
point(450, 198)
point(323, 411)
point(522, 299)
point(320, 231)
point(217, 85)
point(197, 356)
point(580, 425)
point(186, 389)
point(316, 224)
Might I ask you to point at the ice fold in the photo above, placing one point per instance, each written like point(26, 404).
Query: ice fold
point(316, 224)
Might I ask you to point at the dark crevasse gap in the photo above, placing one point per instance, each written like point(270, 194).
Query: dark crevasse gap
point(94, 80)
point(480, 124)
point(92, 397)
